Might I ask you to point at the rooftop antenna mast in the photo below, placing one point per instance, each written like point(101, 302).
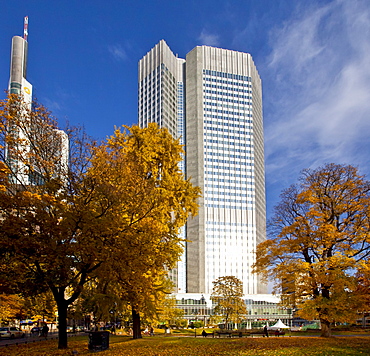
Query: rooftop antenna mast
point(25, 28)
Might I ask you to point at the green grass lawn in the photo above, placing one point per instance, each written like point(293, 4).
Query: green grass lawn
point(190, 346)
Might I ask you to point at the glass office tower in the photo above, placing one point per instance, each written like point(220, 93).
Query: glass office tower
point(222, 128)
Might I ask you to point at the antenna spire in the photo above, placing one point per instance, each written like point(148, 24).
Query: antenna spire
point(25, 28)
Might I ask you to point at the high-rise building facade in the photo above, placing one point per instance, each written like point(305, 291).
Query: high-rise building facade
point(213, 100)
point(18, 155)
point(161, 100)
point(19, 85)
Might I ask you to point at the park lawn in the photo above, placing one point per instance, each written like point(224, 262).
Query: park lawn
point(188, 346)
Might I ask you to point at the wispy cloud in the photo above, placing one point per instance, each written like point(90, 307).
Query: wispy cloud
point(208, 39)
point(318, 82)
point(118, 52)
point(52, 105)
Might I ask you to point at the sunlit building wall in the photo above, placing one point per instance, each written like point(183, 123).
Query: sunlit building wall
point(161, 100)
point(225, 158)
point(16, 155)
point(213, 100)
point(19, 85)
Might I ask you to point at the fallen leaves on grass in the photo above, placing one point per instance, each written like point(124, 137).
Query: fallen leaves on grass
point(187, 346)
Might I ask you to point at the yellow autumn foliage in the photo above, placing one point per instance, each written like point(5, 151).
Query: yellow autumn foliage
point(115, 207)
point(319, 238)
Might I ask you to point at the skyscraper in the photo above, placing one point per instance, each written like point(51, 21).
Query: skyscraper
point(161, 100)
point(18, 83)
point(213, 100)
point(18, 155)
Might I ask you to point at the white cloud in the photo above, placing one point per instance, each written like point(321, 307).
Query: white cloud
point(118, 52)
point(52, 105)
point(318, 90)
point(297, 41)
point(208, 39)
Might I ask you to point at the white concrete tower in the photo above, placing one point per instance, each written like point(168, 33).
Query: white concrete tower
point(18, 84)
point(161, 100)
point(17, 154)
point(223, 136)
point(225, 157)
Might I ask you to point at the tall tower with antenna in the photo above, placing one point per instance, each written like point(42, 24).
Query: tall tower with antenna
point(18, 83)
point(24, 128)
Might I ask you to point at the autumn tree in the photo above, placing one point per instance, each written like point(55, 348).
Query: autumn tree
point(68, 210)
point(10, 307)
point(153, 201)
point(363, 288)
point(363, 278)
point(227, 295)
point(169, 313)
point(319, 238)
point(100, 300)
point(41, 306)
point(53, 231)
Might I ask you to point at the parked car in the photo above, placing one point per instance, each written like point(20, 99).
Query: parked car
point(11, 332)
point(36, 330)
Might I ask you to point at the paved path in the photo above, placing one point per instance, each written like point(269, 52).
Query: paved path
point(32, 338)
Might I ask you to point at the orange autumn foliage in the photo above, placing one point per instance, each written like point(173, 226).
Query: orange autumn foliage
point(319, 238)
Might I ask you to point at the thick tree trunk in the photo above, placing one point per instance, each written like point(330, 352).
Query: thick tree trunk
point(323, 313)
point(325, 328)
point(62, 305)
point(62, 324)
point(136, 325)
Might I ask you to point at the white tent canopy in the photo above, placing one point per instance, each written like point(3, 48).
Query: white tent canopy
point(279, 325)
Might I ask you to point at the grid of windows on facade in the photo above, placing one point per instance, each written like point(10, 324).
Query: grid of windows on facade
point(258, 311)
point(180, 112)
point(158, 99)
point(184, 301)
point(194, 307)
point(190, 312)
point(221, 228)
point(219, 248)
point(149, 99)
point(181, 265)
point(169, 100)
point(260, 307)
point(228, 146)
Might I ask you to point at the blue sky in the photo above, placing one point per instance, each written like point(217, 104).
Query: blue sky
point(313, 58)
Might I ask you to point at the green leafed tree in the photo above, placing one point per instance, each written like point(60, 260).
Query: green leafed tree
point(227, 296)
point(319, 238)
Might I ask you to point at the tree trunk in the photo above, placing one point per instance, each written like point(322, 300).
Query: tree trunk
point(323, 313)
point(325, 328)
point(227, 322)
point(62, 324)
point(136, 324)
